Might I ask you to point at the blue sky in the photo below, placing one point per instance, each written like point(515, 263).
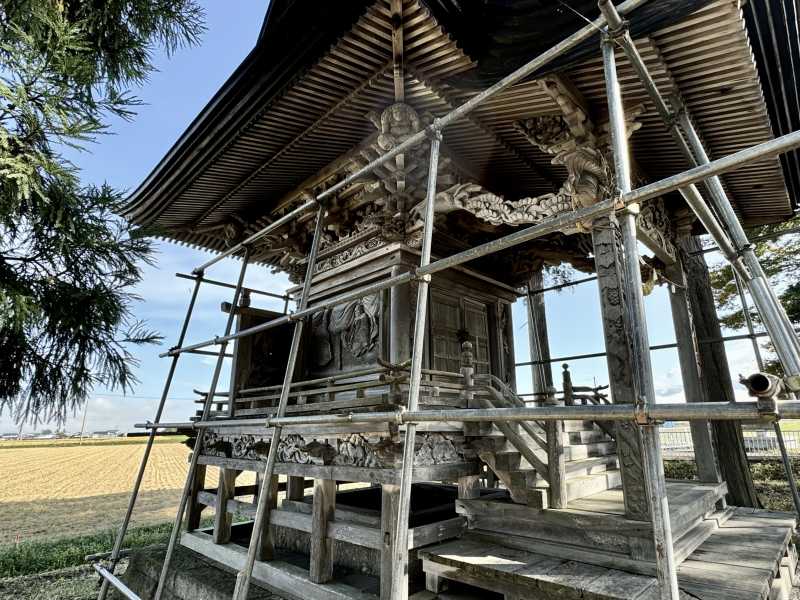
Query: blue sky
point(173, 96)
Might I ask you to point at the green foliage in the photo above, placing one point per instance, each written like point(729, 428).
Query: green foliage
point(67, 261)
point(778, 257)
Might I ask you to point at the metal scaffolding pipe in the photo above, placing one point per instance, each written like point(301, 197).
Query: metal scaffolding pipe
point(692, 411)
point(242, 586)
point(400, 550)
point(652, 463)
point(230, 286)
point(123, 529)
point(110, 578)
point(787, 344)
point(212, 389)
point(285, 219)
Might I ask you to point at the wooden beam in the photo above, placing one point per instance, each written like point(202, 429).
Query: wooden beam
point(397, 50)
point(537, 334)
point(321, 570)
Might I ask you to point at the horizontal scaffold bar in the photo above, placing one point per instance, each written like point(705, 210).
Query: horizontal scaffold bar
point(559, 223)
point(230, 286)
point(692, 411)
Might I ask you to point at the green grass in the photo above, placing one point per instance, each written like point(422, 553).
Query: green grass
point(67, 442)
point(28, 558)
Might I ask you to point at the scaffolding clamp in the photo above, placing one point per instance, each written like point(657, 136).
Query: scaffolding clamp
point(433, 131)
point(425, 278)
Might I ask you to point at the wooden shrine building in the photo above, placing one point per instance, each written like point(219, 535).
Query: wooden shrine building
point(557, 509)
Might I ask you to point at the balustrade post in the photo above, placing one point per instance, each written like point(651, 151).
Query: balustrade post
point(556, 461)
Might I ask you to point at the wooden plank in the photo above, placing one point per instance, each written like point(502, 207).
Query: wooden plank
point(321, 569)
point(424, 535)
point(288, 580)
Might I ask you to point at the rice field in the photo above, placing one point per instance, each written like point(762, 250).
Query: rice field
point(55, 490)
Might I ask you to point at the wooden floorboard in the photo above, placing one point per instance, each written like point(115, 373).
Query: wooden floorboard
point(739, 561)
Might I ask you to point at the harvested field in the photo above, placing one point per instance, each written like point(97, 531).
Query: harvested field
point(57, 490)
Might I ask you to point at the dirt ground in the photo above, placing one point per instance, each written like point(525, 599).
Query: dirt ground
point(56, 491)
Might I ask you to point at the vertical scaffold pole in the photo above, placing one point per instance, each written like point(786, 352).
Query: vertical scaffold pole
point(261, 521)
point(400, 567)
point(198, 446)
point(733, 242)
point(651, 445)
point(114, 558)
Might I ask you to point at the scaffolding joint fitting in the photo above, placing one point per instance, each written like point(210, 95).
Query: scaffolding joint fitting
point(425, 278)
point(433, 132)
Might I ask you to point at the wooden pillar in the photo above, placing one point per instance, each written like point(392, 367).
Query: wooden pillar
point(266, 549)
point(390, 496)
point(222, 518)
point(469, 487)
point(537, 335)
point(322, 513)
point(195, 509)
point(715, 376)
point(705, 453)
point(556, 461)
point(295, 487)
point(607, 244)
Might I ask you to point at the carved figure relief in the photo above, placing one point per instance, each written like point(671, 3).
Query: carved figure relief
point(346, 334)
point(356, 451)
point(291, 449)
point(435, 449)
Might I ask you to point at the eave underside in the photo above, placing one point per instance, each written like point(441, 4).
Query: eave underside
point(320, 117)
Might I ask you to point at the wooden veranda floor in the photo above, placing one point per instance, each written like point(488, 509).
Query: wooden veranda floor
point(749, 557)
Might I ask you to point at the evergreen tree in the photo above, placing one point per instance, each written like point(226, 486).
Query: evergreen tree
point(779, 258)
point(67, 262)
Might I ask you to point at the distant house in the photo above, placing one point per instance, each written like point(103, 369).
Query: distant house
point(108, 433)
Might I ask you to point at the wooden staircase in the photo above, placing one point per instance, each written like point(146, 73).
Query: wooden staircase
point(532, 459)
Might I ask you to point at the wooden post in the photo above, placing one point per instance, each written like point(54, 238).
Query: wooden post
point(195, 509)
point(266, 548)
point(222, 518)
point(537, 334)
point(469, 487)
point(705, 453)
point(295, 487)
point(556, 461)
point(321, 570)
point(716, 376)
point(607, 242)
point(390, 494)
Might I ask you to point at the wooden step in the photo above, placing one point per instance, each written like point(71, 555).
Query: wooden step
point(521, 574)
point(586, 485)
point(573, 438)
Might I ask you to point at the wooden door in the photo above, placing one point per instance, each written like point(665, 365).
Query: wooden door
point(445, 323)
point(476, 324)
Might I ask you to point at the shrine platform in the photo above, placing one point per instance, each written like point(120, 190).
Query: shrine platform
point(751, 556)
